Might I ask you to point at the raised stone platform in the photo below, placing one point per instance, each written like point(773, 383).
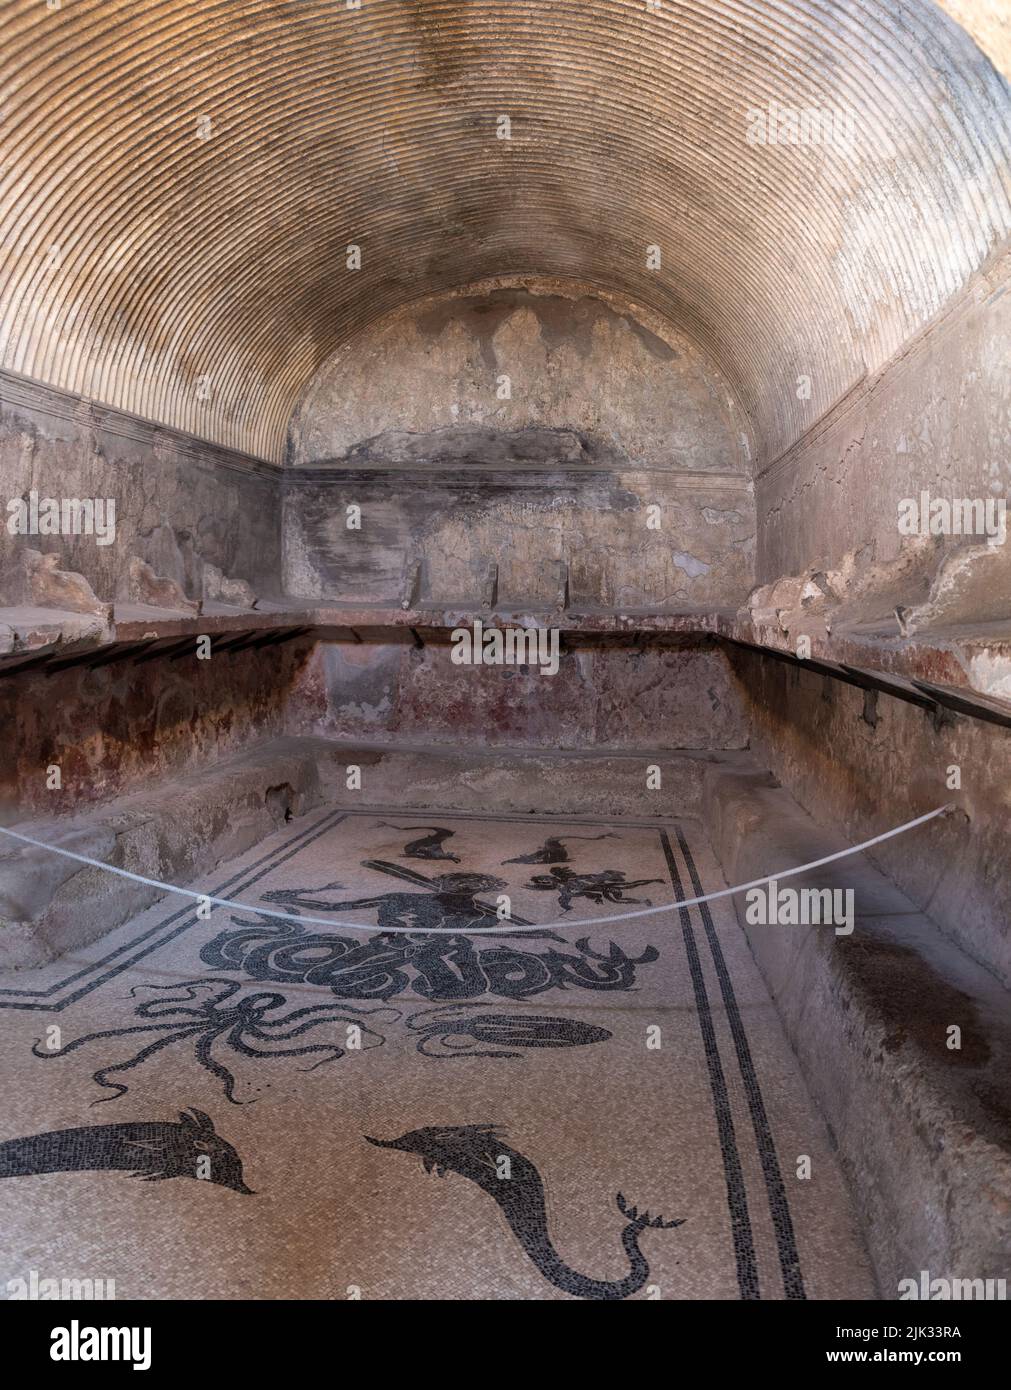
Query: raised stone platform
point(962, 668)
point(923, 1128)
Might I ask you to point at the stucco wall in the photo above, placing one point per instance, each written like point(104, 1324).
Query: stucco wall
point(680, 696)
point(179, 501)
point(525, 427)
point(938, 418)
point(575, 359)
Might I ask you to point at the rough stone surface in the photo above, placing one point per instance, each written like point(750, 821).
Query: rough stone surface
point(923, 1130)
point(570, 362)
point(140, 584)
point(936, 420)
point(455, 525)
point(618, 454)
point(50, 905)
point(117, 727)
point(232, 591)
point(30, 577)
point(862, 773)
point(179, 502)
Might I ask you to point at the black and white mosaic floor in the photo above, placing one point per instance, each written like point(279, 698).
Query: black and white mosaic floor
point(592, 1112)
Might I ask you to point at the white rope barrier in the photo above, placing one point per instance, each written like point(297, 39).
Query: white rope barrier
point(480, 931)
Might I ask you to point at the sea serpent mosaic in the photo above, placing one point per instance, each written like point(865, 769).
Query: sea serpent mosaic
point(480, 1154)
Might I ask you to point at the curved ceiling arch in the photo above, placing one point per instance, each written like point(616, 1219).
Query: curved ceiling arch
point(181, 179)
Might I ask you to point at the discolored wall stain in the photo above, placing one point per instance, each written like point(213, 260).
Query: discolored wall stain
point(114, 729)
point(536, 354)
point(677, 696)
point(542, 432)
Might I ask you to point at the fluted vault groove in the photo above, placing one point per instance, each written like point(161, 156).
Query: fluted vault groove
point(181, 180)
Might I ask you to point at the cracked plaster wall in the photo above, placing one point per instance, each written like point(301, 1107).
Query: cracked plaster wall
point(179, 501)
point(608, 415)
point(864, 765)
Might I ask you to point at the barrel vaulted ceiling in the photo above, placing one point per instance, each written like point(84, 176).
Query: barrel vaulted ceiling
point(182, 179)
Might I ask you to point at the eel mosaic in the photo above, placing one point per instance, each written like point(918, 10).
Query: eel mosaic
point(444, 967)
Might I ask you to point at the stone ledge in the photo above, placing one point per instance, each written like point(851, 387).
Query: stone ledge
point(50, 905)
point(924, 1133)
point(964, 668)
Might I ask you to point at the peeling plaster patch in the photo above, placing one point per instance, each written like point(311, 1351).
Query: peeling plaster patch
point(715, 517)
point(692, 567)
point(576, 368)
point(991, 675)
